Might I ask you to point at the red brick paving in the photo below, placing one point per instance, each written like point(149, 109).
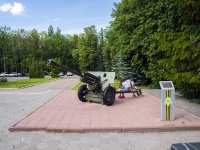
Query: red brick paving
point(65, 113)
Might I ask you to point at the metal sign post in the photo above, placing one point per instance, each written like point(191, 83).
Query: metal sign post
point(167, 100)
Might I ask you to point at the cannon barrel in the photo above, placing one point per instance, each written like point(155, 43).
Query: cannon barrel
point(56, 65)
point(85, 77)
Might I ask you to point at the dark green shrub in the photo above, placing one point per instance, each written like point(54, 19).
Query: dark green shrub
point(188, 84)
point(54, 75)
point(3, 79)
point(55, 71)
point(36, 71)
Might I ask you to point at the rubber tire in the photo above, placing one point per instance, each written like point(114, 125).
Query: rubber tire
point(81, 95)
point(109, 96)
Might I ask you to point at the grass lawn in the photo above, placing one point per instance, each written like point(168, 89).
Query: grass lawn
point(25, 82)
point(76, 87)
point(115, 85)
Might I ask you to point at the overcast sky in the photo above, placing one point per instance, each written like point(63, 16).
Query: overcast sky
point(71, 16)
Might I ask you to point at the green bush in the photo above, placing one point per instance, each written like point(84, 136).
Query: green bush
point(188, 84)
point(3, 79)
point(55, 71)
point(54, 75)
point(36, 71)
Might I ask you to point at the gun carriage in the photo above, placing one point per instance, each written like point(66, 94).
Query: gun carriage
point(97, 87)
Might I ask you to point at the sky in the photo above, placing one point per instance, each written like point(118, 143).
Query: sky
point(71, 16)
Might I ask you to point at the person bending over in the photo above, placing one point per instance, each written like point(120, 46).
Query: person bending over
point(126, 85)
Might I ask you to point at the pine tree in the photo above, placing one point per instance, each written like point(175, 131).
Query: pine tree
point(122, 69)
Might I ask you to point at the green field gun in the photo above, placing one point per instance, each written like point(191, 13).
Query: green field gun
point(97, 87)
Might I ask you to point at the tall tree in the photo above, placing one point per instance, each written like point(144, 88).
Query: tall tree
point(86, 51)
point(182, 49)
point(122, 69)
point(158, 36)
point(70, 43)
point(100, 66)
point(110, 49)
point(5, 39)
point(33, 44)
point(2, 50)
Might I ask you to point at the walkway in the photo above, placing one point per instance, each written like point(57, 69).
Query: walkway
point(65, 113)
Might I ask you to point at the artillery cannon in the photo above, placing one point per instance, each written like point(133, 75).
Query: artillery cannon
point(97, 87)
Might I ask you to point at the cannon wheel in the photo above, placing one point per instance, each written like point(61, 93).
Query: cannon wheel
point(109, 96)
point(81, 94)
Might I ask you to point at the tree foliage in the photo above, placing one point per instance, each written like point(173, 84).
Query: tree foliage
point(122, 68)
point(19, 48)
point(161, 38)
point(86, 51)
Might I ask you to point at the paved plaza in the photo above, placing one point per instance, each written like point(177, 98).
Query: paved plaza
point(65, 113)
point(85, 131)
